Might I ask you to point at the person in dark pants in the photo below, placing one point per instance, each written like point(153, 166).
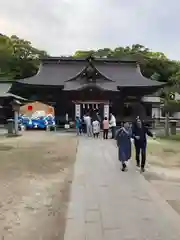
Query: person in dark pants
point(83, 125)
point(139, 132)
point(112, 123)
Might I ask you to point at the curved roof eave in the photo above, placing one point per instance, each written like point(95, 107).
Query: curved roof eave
point(94, 67)
point(5, 87)
point(104, 76)
point(126, 75)
point(156, 85)
point(5, 91)
point(154, 82)
point(37, 85)
point(111, 70)
point(76, 76)
point(55, 75)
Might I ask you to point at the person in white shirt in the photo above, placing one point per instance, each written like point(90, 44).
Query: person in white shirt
point(112, 123)
point(87, 120)
point(96, 128)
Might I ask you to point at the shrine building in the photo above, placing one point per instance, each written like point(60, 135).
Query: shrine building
point(75, 86)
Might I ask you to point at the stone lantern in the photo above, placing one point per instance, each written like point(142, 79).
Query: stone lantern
point(13, 123)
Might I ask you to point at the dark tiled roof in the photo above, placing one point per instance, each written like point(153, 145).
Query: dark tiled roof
point(125, 74)
point(72, 59)
point(56, 73)
point(5, 91)
point(120, 73)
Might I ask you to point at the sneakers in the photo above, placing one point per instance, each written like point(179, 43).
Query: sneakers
point(124, 167)
point(142, 168)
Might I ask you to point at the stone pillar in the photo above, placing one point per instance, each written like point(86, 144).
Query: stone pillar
point(106, 110)
point(10, 126)
point(16, 105)
point(67, 117)
point(155, 115)
point(155, 112)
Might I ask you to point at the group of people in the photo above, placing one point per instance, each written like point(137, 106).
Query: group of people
point(138, 132)
point(92, 126)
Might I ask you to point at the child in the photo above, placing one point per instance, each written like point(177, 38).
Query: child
point(96, 128)
point(105, 128)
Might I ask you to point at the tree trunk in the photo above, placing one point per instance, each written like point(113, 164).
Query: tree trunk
point(167, 124)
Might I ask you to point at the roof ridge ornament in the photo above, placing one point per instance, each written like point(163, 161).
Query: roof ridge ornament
point(90, 58)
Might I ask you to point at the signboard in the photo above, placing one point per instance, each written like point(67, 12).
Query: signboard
point(106, 110)
point(77, 110)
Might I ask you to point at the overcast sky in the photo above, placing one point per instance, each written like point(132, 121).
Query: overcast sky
point(63, 26)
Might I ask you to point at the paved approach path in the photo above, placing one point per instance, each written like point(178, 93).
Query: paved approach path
point(107, 204)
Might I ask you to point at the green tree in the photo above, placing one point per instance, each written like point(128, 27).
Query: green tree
point(83, 54)
point(25, 58)
point(18, 58)
point(103, 53)
point(6, 53)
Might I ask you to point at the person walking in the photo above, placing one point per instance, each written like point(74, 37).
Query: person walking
point(123, 140)
point(139, 133)
point(96, 128)
point(78, 126)
point(105, 128)
point(113, 125)
point(83, 125)
point(87, 120)
point(98, 117)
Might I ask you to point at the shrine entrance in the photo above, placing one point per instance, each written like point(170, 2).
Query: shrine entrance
point(92, 108)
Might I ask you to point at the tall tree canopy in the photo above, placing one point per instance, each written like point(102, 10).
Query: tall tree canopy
point(150, 62)
point(18, 58)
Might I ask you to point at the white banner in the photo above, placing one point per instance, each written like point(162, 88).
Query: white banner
point(77, 110)
point(106, 110)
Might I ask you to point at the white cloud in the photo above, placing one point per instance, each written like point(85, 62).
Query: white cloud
point(64, 26)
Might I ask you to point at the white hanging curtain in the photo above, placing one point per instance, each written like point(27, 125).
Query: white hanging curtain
point(77, 110)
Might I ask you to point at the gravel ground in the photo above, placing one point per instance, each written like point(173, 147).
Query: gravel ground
point(36, 172)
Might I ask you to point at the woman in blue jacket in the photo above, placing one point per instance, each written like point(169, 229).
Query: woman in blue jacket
point(78, 126)
point(123, 139)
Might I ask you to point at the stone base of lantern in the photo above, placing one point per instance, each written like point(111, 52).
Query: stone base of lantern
point(14, 135)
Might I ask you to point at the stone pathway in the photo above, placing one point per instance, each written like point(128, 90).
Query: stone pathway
point(107, 204)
